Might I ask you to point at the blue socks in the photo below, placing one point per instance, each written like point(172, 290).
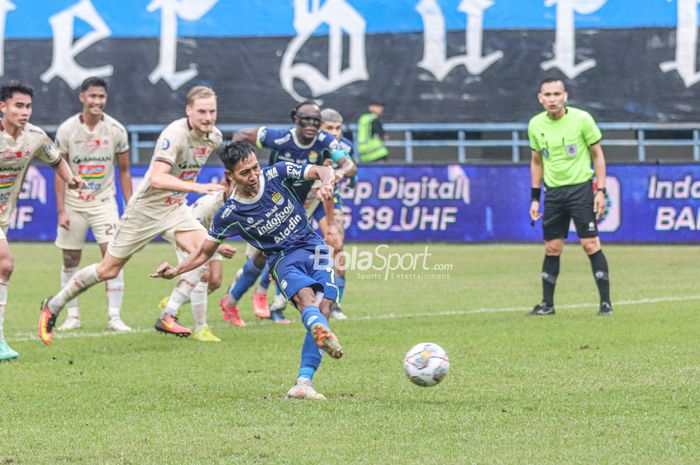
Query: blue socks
point(250, 274)
point(265, 279)
point(340, 282)
point(310, 358)
point(312, 315)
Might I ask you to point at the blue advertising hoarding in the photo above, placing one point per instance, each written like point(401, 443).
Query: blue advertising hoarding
point(456, 203)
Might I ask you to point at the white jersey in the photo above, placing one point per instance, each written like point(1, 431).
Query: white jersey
point(91, 155)
point(15, 156)
point(206, 207)
point(186, 151)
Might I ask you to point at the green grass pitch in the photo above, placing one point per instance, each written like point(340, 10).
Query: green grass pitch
point(569, 389)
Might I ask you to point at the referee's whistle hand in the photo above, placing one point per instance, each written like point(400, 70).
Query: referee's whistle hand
point(599, 206)
point(534, 211)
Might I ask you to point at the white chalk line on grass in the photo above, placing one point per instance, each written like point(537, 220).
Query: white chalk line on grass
point(389, 316)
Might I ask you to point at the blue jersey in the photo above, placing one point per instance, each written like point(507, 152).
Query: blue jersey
point(274, 221)
point(285, 146)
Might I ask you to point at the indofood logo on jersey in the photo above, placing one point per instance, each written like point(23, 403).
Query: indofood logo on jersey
point(7, 180)
point(277, 198)
point(92, 171)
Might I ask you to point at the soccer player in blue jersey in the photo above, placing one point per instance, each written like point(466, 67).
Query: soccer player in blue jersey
point(264, 210)
point(303, 143)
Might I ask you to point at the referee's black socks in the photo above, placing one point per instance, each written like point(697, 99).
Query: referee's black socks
point(550, 271)
point(599, 265)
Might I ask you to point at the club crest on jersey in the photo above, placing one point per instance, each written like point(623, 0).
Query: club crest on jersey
point(7, 180)
point(571, 150)
point(92, 171)
point(313, 157)
point(277, 198)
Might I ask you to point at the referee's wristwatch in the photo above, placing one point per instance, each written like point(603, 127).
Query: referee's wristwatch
point(601, 189)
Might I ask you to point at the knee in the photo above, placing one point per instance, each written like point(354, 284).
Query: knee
point(214, 283)
point(553, 248)
point(590, 246)
point(71, 258)
point(259, 261)
point(7, 266)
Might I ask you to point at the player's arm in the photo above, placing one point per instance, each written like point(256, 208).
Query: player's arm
point(536, 175)
point(60, 190)
point(162, 179)
point(598, 159)
point(346, 167)
point(327, 177)
point(194, 260)
point(248, 134)
point(124, 175)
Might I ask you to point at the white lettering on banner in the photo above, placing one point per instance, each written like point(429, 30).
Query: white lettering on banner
point(340, 17)
point(565, 37)
point(34, 186)
point(171, 10)
point(63, 64)
point(686, 188)
point(435, 37)
point(428, 188)
point(410, 218)
point(21, 216)
point(670, 219)
point(5, 6)
point(686, 43)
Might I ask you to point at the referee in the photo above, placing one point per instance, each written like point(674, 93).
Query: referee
point(564, 142)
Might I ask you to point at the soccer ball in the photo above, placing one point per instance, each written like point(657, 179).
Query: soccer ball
point(426, 364)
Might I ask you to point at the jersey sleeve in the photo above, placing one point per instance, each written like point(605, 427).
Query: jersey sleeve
point(224, 224)
point(49, 152)
point(121, 138)
point(166, 147)
point(267, 137)
point(590, 131)
point(62, 139)
point(534, 144)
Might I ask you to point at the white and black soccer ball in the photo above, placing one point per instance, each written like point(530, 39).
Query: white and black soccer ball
point(426, 364)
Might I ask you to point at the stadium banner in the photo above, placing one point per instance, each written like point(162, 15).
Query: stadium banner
point(431, 60)
point(457, 203)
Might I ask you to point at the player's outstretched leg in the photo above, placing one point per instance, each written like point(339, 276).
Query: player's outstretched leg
point(115, 297)
point(199, 300)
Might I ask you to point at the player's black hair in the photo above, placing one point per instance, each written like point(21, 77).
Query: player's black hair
point(93, 82)
point(231, 153)
point(549, 79)
point(7, 90)
point(301, 104)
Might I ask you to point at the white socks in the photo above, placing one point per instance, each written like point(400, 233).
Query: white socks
point(198, 299)
point(80, 282)
point(72, 306)
point(182, 291)
point(115, 295)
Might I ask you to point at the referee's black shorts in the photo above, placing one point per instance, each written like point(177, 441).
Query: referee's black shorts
point(562, 204)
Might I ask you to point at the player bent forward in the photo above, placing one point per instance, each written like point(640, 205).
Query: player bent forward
point(266, 214)
point(157, 207)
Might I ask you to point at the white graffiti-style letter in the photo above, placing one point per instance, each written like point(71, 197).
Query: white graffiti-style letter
point(565, 40)
point(434, 39)
point(171, 10)
point(340, 17)
point(686, 43)
point(63, 63)
point(5, 6)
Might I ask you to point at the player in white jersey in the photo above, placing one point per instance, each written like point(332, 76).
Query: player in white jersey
point(204, 209)
point(159, 205)
point(91, 141)
point(20, 142)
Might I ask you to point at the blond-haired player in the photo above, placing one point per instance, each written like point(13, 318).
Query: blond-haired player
point(20, 142)
point(159, 205)
point(91, 142)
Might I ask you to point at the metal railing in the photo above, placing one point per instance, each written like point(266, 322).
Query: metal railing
point(468, 137)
